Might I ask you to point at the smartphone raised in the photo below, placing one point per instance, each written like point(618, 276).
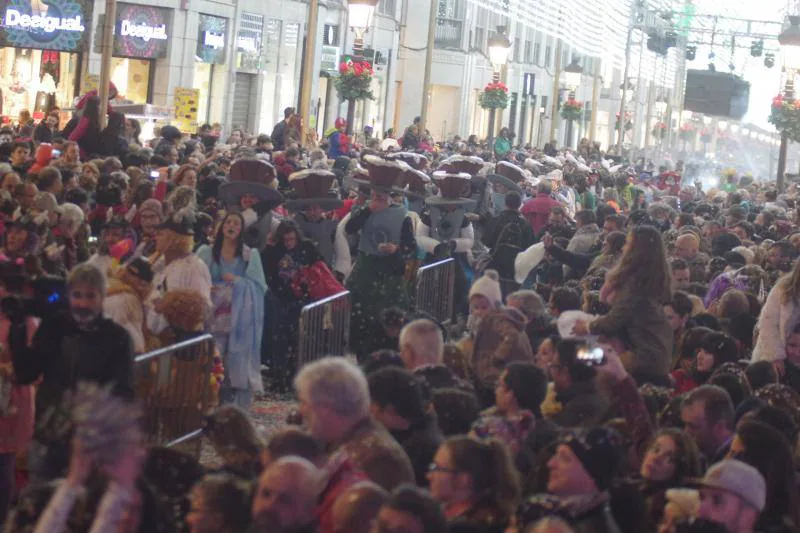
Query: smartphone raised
point(591, 355)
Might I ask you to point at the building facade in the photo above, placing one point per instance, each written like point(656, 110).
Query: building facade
point(244, 60)
point(591, 33)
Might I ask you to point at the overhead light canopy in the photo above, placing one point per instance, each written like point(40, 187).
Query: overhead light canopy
point(499, 47)
point(360, 13)
point(572, 74)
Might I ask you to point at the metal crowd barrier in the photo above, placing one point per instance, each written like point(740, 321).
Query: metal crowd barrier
point(173, 385)
point(435, 285)
point(324, 328)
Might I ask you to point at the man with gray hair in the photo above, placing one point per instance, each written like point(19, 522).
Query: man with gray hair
point(422, 350)
point(334, 403)
point(71, 346)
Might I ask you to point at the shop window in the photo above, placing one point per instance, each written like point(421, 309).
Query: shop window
point(387, 7)
point(248, 42)
point(36, 80)
point(202, 81)
point(330, 37)
point(132, 78)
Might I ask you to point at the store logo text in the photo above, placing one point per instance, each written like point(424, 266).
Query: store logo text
point(14, 18)
point(143, 31)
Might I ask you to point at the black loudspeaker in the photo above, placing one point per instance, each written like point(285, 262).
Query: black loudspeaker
point(716, 94)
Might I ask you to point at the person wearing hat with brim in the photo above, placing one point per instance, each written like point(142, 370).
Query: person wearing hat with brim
point(128, 288)
point(732, 493)
point(312, 200)
point(180, 269)
point(251, 190)
point(385, 243)
point(501, 185)
point(445, 231)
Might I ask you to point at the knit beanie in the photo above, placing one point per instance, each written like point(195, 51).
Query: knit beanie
point(599, 450)
point(488, 286)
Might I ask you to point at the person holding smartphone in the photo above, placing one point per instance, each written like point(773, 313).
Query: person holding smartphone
point(583, 405)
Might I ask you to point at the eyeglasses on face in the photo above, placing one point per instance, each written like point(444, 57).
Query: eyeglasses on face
point(433, 467)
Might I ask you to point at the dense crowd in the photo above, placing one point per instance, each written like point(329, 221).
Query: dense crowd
point(623, 353)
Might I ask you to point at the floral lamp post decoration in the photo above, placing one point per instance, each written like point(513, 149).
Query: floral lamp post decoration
point(354, 82)
point(493, 97)
point(660, 131)
point(686, 134)
point(628, 122)
point(785, 116)
point(571, 111)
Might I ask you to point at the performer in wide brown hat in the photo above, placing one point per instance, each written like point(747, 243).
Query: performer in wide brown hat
point(251, 190)
point(386, 241)
point(312, 199)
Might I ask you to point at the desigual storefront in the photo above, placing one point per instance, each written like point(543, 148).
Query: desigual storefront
point(41, 49)
point(141, 36)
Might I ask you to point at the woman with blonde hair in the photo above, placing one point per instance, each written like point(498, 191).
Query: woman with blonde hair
point(475, 482)
point(778, 318)
point(637, 289)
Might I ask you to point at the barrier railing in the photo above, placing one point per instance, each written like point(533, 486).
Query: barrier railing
point(324, 328)
point(435, 284)
point(173, 385)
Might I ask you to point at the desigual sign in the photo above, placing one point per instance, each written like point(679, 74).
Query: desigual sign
point(17, 19)
point(143, 31)
point(211, 39)
point(46, 24)
point(214, 40)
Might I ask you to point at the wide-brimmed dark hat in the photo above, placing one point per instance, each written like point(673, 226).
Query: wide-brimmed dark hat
point(462, 163)
point(511, 171)
point(384, 176)
point(313, 187)
point(250, 176)
point(412, 159)
point(502, 180)
point(454, 189)
point(181, 222)
point(416, 183)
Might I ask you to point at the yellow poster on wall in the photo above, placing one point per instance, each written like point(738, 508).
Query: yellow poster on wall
point(186, 102)
point(91, 83)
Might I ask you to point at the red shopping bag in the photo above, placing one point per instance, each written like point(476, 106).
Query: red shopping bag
point(320, 281)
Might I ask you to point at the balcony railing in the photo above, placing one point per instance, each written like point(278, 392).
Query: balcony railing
point(448, 33)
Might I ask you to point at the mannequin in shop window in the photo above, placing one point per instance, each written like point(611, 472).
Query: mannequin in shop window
point(87, 133)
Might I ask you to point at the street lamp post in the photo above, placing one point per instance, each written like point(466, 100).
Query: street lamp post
point(789, 40)
point(499, 48)
point(359, 18)
point(572, 79)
